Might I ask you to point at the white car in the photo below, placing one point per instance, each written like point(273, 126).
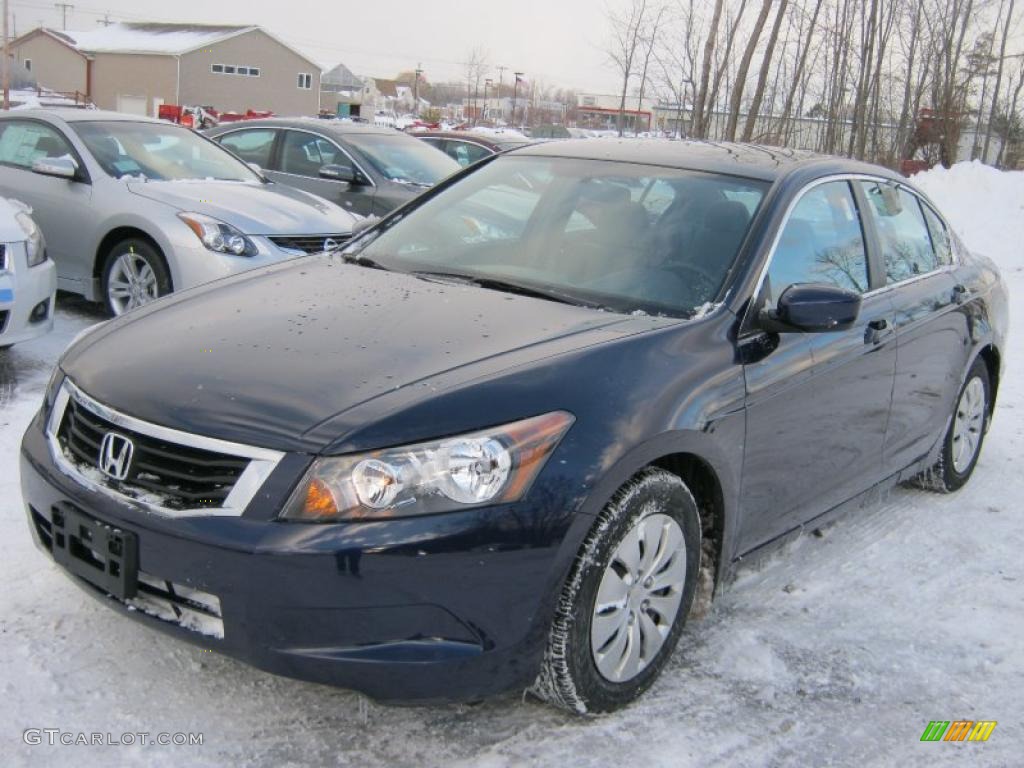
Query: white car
point(28, 279)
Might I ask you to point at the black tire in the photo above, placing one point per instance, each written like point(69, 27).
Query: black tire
point(141, 249)
point(943, 476)
point(569, 676)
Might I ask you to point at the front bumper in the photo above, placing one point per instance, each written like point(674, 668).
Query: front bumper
point(22, 289)
point(453, 607)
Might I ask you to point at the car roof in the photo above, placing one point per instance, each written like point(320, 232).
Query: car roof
point(482, 138)
point(70, 115)
point(751, 160)
point(339, 127)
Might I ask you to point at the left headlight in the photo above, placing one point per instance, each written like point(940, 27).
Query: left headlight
point(218, 236)
point(492, 466)
point(34, 250)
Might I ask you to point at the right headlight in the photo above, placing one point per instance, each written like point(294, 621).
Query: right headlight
point(492, 466)
point(34, 250)
point(218, 236)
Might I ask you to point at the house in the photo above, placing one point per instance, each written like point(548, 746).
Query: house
point(341, 92)
point(136, 67)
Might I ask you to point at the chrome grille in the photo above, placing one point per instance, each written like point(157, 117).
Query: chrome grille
point(308, 243)
point(183, 477)
point(169, 472)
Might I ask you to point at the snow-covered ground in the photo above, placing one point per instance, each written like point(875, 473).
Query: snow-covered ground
point(837, 650)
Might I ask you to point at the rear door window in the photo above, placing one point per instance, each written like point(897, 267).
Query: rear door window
point(465, 152)
point(941, 241)
point(906, 242)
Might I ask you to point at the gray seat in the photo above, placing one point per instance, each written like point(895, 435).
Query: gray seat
point(50, 146)
point(719, 237)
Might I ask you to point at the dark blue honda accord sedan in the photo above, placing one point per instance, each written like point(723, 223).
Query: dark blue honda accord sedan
point(514, 432)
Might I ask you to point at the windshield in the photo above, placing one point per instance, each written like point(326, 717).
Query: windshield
point(159, 152)
point(622, 236)
point(404, 159)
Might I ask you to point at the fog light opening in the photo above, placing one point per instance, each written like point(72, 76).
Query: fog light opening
point(40, 312)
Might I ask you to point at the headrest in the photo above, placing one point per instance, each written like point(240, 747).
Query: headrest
point(726, 216)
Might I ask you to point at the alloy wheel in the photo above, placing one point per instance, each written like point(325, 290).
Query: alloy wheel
point(132, 283)
point(638, 598)
point(968, 424)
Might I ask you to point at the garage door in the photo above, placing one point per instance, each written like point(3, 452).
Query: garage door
point(133, 105)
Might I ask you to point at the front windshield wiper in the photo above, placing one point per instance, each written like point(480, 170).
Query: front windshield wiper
point(364, 261)
point(508, 286)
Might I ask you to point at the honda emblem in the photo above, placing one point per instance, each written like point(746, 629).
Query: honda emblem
point(116, 453)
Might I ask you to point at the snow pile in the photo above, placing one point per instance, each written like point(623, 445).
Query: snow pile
point(984, 205)
point(32, 98)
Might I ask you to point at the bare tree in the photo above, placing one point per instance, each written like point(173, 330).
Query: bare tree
point(626, 38)
point(476, 69)
point(755, 103)
point(801, 64)
point(736, 98)
point(698, 126)
point(999, 80)
point(650, 39)
point(1011, 114)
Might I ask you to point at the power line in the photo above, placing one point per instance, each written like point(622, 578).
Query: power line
point(64, 8)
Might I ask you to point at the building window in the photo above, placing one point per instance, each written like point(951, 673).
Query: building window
point(305, 81)
point(28, 64)
point(233, 69)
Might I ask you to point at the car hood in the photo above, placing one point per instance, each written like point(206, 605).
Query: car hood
point(254, 208)
point(265, 357)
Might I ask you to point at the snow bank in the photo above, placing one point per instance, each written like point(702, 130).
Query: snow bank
point(985, 206)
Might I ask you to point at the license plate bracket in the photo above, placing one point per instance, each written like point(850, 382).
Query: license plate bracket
point(102, 554)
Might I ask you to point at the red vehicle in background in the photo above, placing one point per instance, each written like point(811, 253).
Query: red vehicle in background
point(206, 117)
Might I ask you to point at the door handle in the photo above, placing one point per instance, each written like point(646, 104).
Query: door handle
point(878, 329)
point(960, 293)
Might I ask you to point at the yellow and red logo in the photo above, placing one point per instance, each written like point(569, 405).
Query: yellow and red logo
point(958, 730)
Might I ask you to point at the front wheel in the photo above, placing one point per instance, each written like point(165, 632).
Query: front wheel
point(134, 274)
point(623, 607)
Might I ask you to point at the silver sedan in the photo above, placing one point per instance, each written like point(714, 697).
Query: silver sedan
point(134, 208)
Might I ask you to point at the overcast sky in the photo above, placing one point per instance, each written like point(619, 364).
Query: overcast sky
point(558, 41)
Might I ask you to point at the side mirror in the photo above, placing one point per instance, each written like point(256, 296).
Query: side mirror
point(337, 173)
point(59, 167)
point(813, 308)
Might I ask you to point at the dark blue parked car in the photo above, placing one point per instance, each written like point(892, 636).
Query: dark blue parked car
point(504, 437)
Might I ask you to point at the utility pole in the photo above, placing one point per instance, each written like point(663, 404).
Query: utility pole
point(501, 79)
point(7, 63)
point(416, 89)
point(105, 21)
point(515, 95)
point(487, 84)
point(64, 8)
